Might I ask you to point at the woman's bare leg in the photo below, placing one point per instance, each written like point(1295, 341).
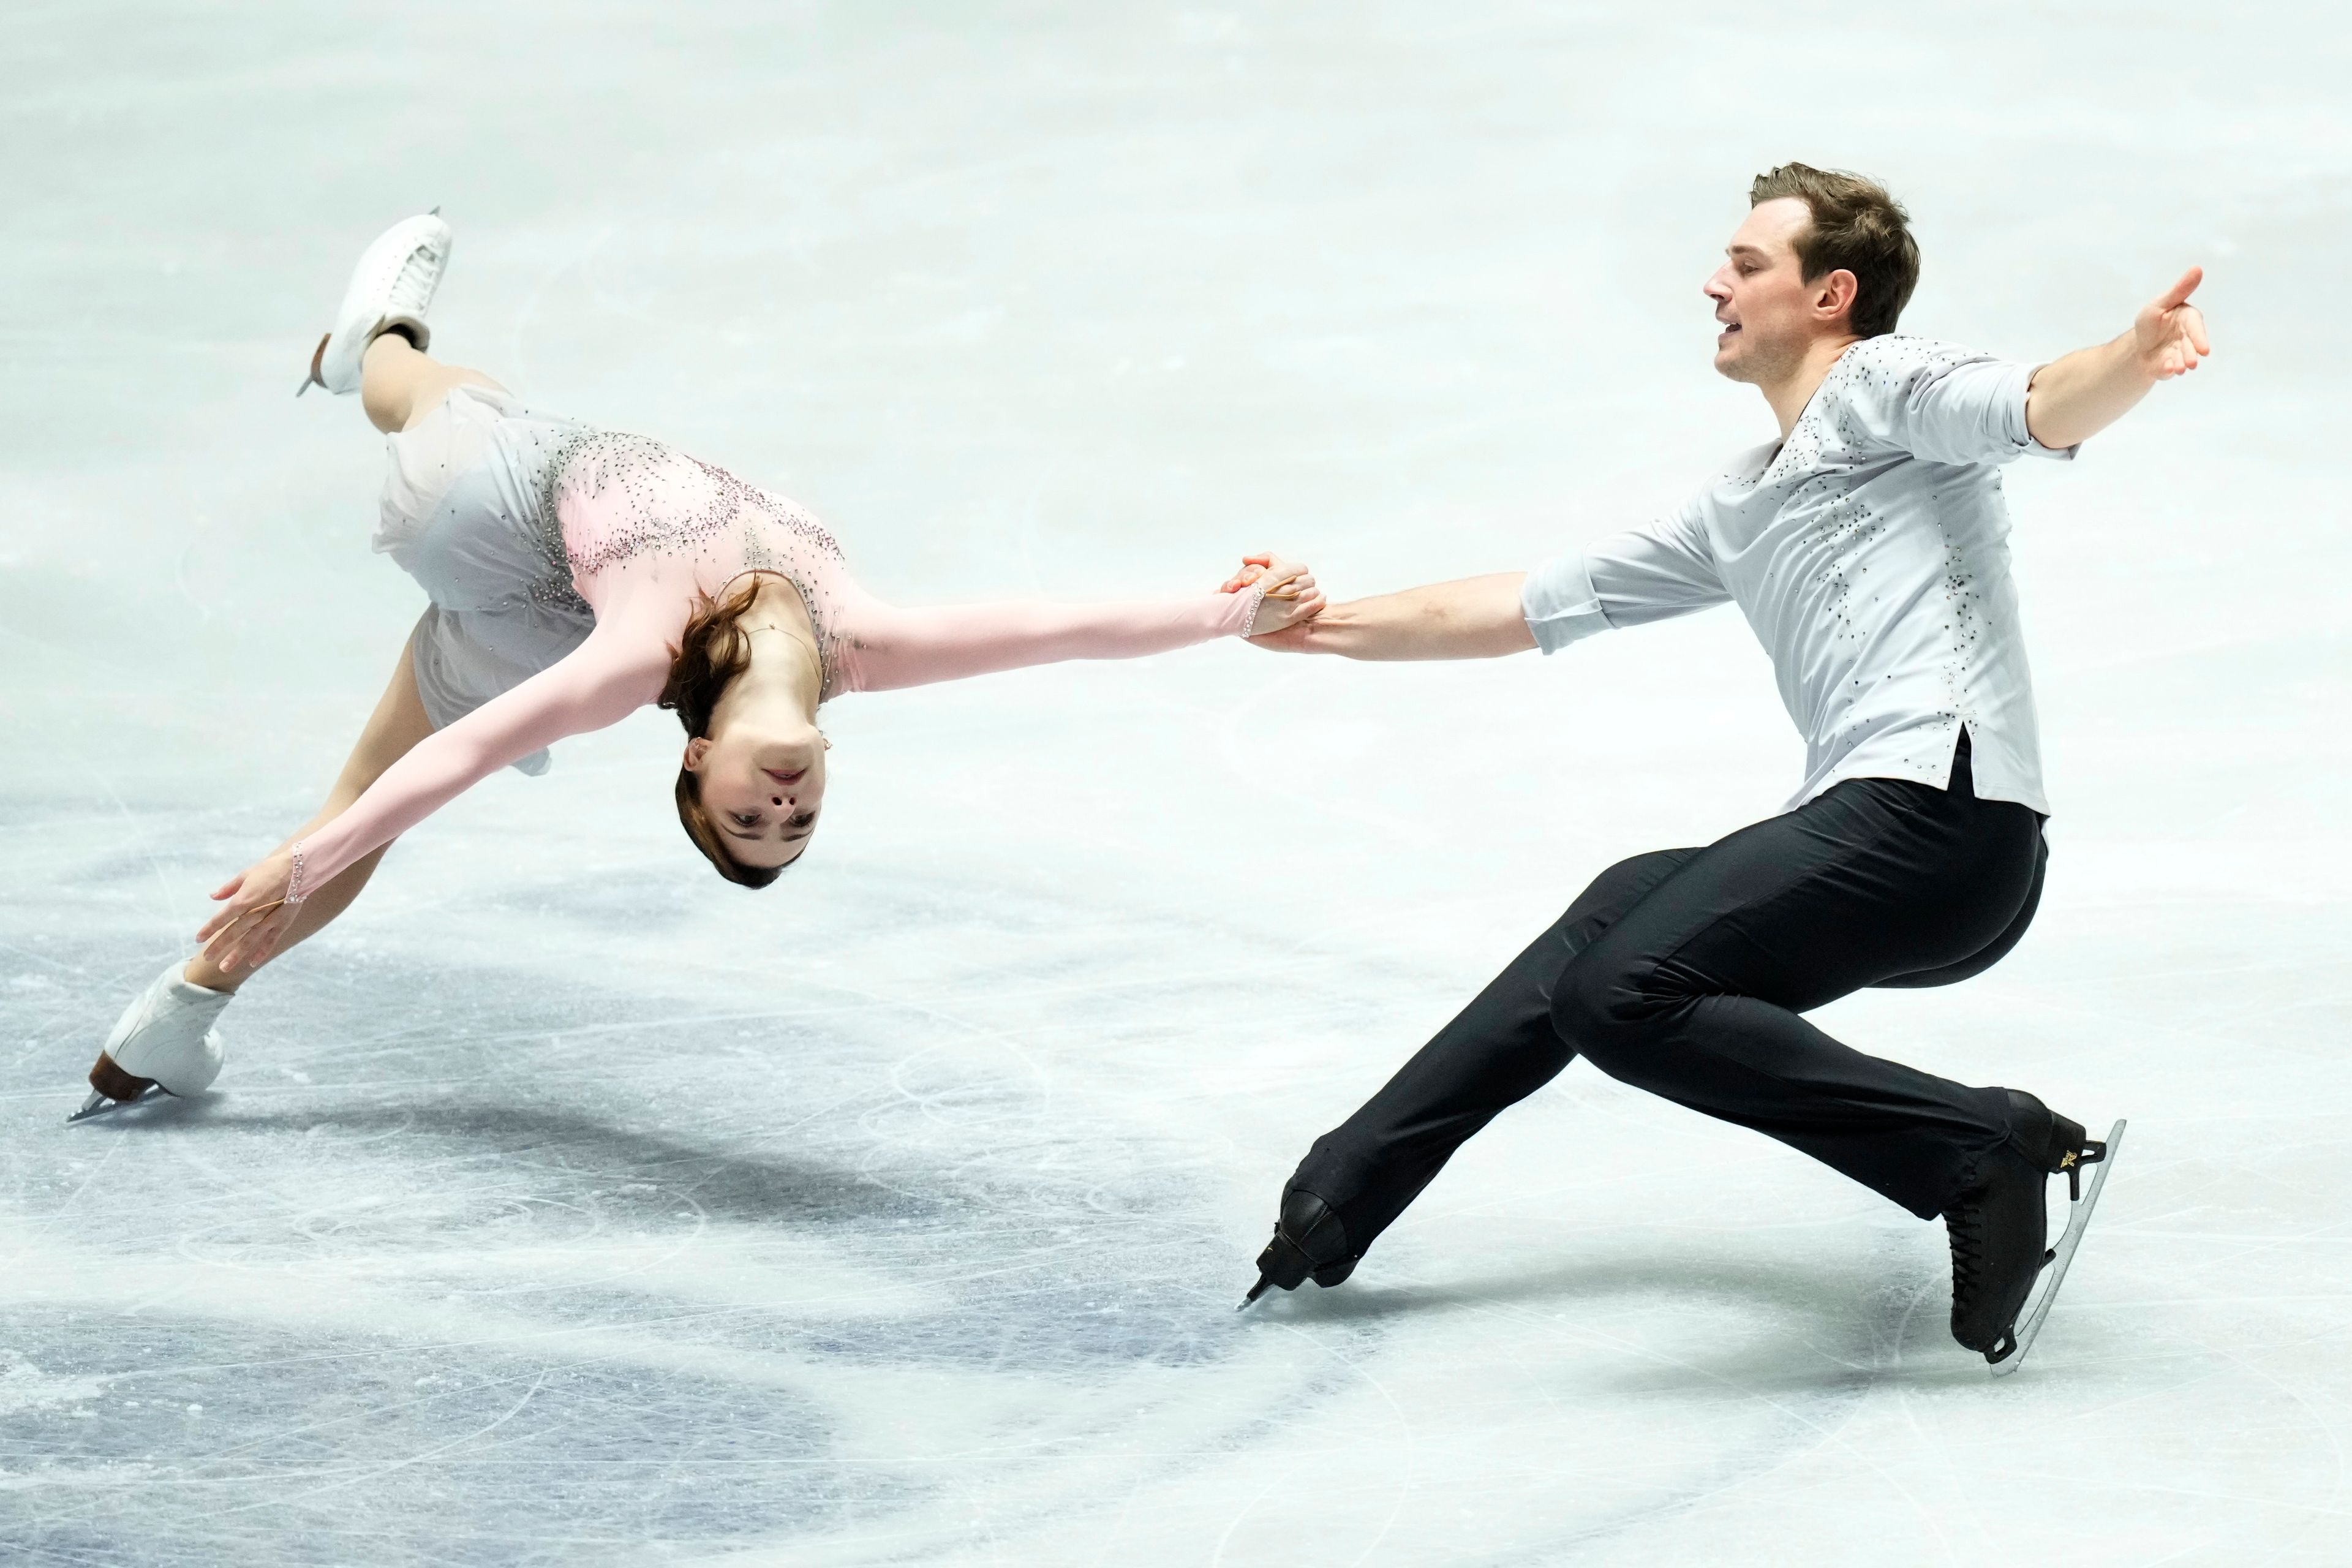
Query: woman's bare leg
point(400, 383)
point(397, 724)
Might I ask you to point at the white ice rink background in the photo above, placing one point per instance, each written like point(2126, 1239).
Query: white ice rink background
point(563, 1204)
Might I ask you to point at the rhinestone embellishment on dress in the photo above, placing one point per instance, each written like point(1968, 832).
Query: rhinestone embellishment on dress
point(612, 498)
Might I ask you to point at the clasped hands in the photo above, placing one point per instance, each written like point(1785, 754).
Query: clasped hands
point(1292, 598)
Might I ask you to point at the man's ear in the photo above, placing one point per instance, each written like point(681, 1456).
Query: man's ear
point(696, 750)
point(1834, 295)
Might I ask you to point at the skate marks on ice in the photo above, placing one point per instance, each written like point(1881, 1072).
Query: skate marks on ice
point(473, 1293)
point(260, 1442)
point(1639, 1375)
point(1804, 1313)
point(910, 1236)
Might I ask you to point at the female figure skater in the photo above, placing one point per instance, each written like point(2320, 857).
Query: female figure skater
point(577, 574)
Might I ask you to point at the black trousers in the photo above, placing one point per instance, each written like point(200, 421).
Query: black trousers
point(1686, 972)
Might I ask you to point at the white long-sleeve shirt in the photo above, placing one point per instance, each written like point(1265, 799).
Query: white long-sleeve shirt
point(1869, 550)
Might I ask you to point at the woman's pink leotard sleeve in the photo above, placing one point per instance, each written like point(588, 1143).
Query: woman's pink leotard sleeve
point(605, 678)
point(882, 647)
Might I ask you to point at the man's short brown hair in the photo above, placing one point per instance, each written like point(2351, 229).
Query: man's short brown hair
point(1857, 226)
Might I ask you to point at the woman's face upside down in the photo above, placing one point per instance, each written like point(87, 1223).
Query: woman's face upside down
point(763, 783)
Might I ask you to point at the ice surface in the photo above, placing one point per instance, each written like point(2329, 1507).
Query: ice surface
point(564, 1206)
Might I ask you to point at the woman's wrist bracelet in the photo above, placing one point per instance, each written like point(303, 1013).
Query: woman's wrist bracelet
point(1257, 603)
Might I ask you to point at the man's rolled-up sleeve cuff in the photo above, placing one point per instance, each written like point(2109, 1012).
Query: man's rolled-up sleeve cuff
point(2022, 376)
point(1560, 604)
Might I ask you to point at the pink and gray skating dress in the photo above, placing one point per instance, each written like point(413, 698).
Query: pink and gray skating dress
point(562, 561)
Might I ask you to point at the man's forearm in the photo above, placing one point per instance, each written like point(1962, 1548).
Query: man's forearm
point(1476, 617)
point(2074, 398)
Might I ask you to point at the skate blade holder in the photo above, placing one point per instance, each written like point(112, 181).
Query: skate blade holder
point(99, 1103)
point(2094, 1152)
point(2010, 1348)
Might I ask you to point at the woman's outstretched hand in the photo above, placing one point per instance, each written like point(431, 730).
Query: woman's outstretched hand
point(253, 916)
point(1291, 596)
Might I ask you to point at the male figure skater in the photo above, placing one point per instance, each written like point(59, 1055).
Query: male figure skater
point(1867, 547)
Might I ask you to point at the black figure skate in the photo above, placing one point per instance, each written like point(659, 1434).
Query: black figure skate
point(1307, 1240)
point(2000, 1229)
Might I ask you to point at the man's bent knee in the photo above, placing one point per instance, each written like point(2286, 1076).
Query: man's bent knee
point(1607, 897)
point(1618, 1018)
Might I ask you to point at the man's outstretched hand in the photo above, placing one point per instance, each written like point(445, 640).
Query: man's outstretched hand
point(2170, 333)
point(2073, 398)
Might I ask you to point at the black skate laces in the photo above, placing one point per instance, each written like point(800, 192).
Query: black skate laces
point(1964, 1222)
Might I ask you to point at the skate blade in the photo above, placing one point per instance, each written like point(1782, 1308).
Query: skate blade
point(99, 1104)
point(2062, 1258)
point(310, 377)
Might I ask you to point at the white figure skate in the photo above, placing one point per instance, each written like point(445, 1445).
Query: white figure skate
point(391, 287)
point(165, 1043)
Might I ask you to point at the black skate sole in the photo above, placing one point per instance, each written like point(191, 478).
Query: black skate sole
point(1306, 1226)
point(2006, 1358)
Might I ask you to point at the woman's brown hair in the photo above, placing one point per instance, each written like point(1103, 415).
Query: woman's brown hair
point(711, 652)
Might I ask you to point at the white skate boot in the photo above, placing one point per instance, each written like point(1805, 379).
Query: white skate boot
point(164, 1042)
point(391, 287)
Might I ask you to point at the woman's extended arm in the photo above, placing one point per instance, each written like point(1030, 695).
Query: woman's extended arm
point(608, 677)
point(883, 647)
